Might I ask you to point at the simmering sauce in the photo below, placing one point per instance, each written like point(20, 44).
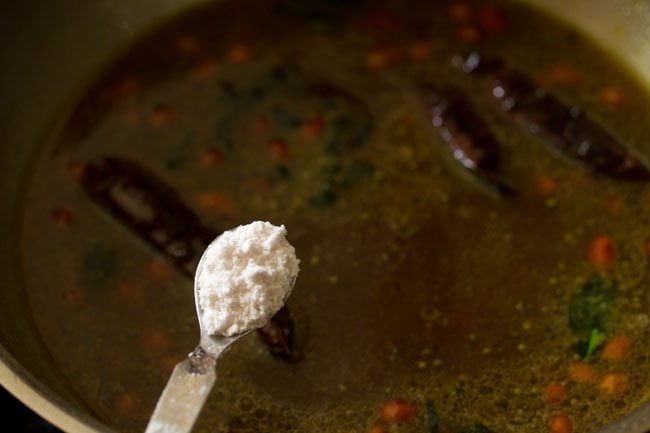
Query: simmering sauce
point(428, 300)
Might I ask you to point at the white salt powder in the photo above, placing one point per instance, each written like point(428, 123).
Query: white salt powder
point(245, 276)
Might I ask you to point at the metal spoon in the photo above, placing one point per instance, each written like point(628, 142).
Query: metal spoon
point(192, 379)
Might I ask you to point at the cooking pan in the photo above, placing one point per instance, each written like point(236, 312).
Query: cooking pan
point(51, 49)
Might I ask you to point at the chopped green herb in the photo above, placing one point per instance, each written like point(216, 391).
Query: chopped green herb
point(589, 312)
point(596, 339)
point(336, 178)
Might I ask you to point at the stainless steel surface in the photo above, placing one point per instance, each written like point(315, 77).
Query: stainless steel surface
point(622, 27)
point(185, 393)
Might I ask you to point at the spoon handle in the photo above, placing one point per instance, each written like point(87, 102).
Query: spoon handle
point(184, 395)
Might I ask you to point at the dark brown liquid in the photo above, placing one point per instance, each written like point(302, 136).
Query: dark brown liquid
point(415, 281)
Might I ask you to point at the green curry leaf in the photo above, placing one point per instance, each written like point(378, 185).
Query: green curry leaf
point(589, 312)
point(596, 339)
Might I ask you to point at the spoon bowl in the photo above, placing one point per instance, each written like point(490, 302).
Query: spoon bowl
point(193, 378)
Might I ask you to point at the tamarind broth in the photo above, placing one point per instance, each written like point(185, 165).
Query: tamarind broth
point(417, 283)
